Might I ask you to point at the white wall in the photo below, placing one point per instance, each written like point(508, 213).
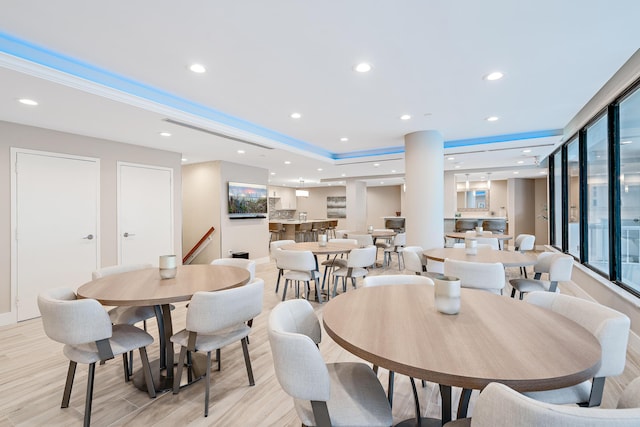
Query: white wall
point(205, 201)
point(109, 153)
point(381, 202)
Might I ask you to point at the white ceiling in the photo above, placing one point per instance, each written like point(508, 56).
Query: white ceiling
point(117, 70)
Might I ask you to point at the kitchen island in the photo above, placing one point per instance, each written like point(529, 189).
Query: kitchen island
point(291, 226)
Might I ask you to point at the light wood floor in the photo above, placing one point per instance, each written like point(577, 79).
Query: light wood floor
point(33, 371)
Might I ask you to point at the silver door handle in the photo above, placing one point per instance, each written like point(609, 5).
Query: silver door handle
point(128, 234)
point(88, 237)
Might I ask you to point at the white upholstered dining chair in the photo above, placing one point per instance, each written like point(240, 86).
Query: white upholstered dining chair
point(215, 320)
point(299, 266)
point(247, 264)
point(611, 329)
point(338, 394)
point(501, 406)
point(558, 266)
point(274, 248)
point(414, 260)
point(85, 329)
point(477, 275)
point(359, 260)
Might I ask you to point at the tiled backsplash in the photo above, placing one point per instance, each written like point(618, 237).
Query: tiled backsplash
point(279, 214)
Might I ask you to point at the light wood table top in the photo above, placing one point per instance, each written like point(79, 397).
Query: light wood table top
point(462, 236)
point(507, 258)
point(493, 338)
point(377, 234)
point(145, 287)
point(330, 248)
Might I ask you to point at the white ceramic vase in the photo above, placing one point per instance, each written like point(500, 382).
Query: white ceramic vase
point(447, 294)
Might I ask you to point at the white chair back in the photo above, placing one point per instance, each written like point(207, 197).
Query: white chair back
point(363, 239)
point(500, 406)
point(543, 263)
point(491, 241)
point(477, 275)
point(525, 242)
point(561, 268)
point(459, 245)
point(362, 257)
point(274, 246)
point(117, 269)
point(412, 256)
point(610, 327)
point(209, 312)
point(296, 260)
point(397, 279)
point(340, 233)
point(400, 239)
point(73, 321)
point(247, 264)
point(341, 240)
point(299, 366)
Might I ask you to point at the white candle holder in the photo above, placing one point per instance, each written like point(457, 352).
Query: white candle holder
point(322, 240)
point(370, 229)
point(479, 231)
point(471, 246)
point(447, 294)
point(168, 266)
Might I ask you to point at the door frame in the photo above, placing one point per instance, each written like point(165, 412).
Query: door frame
point(119, 204)
point(12, 316)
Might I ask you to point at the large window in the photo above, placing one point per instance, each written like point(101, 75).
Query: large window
point(573, 171)
point(598, 195)
point(595, 188)
point(629, 147)
point(557, 198)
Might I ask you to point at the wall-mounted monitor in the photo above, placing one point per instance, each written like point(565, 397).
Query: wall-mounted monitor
point(247, 200)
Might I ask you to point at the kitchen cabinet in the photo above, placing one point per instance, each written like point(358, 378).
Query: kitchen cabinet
point(285, 197)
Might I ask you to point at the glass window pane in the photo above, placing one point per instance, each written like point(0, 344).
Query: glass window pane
point(573, 173)
point(630, 189)
point(557, 199)
point(598, 195)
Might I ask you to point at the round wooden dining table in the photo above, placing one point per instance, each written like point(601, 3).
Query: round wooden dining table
point(462, 236)
point(146, 287)
point(507, 258)
point(493, 338)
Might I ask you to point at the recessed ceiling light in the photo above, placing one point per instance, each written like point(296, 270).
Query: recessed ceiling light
point(273, 173)
point(166, 134)
point(457, 167)
point(319, 169)
point(344, 174)
point(375, 165)
point(287, 162)
point(516, 172)
point(381, 182)
point(184, 159)
point(543, 172)
point(241, 151)
point(363, 67)
point(296, 115)
point(393, 171)
point(496, 75)
point(492, 118)
point(526, 151)
point(29, 102)
point(626, 142)
point(344, 139)
point(520, 162)
point(405, 117)
point(197, 68)
point(451, 158)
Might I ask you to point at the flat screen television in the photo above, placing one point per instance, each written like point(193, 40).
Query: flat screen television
point(247, 200)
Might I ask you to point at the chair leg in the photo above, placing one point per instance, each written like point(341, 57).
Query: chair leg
point(219, 359)
point(392, 376)
point(284, 290)
point(89, 396)
point(125, 365)
point(178, 377)
point(207, 384)
point(278, 282)
point(597, 387)
point(146, 369)
point(513, 293)
point(247, 361)
point(71, 372)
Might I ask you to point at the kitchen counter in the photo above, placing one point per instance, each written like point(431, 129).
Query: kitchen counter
point(289, 226)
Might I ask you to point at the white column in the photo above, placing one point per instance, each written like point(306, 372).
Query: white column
point(424, 197)
point(356, 205)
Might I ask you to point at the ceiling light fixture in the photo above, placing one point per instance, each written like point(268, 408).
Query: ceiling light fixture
point(626, 142)
point(296, 115)
point(405, 117)
point(496, 75)
point(241, 151)
point(319, 169)
point(197, 68)
point(287, 162)
point(344, 139)
point(184, 159)
point(526, 150)
point(489, 180)
point(165, 134)
point(520, 162)
point(273, 173)
point(467, 183)
point(492, 118)
point(363, 67)
point(451, 158)
point(302, 192)
point(29, 102)
point(375, 165)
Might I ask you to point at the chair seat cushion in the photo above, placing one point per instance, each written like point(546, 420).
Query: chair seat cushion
point(124, 339)
point(355, 272)
point(357, 398)
point(563, 396)
point(131, 315)
point(338, 262)
point(211, 342)
point(530, 285)
point(300, 275)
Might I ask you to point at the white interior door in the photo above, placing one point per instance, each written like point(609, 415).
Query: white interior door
point(145, 213)
point(56, 205)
